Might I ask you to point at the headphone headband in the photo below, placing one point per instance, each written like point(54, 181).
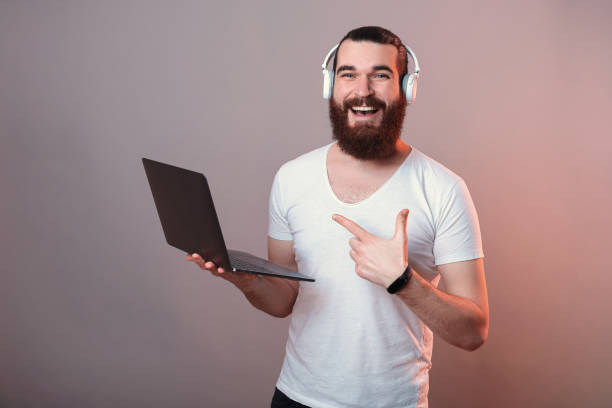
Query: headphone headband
point(328, 56)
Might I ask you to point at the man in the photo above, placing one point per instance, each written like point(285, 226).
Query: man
point(341, 215)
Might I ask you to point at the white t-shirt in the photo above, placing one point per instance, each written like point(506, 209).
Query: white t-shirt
point(352, 344)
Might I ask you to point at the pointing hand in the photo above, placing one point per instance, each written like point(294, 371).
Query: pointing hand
point(379, 260)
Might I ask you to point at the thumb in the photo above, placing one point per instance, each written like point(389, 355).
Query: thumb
point(400, 224)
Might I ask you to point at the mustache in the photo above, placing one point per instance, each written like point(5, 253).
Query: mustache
point(367, 101)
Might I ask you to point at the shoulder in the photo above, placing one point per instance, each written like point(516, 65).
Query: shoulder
point(430, 171)
point(438, 184)
point(300, 179)
point(303, 167)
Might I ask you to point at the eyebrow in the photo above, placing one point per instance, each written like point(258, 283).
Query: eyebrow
point(374, 68)
point(382, 68)
point(346, 68)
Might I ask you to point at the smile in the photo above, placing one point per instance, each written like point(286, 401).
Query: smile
point(364, 110)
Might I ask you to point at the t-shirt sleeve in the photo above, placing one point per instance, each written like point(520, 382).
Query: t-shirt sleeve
point(278, 226)
point(457, 228)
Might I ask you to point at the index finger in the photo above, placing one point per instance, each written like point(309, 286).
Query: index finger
point(352, 226)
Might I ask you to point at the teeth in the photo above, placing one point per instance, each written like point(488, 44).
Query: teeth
point(363, 108)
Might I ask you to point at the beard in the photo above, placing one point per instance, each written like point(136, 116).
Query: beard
point(365, 141)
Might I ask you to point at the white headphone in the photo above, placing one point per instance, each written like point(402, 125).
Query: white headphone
point(409, 81)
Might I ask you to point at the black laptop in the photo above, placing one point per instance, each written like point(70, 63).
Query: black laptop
point(189, 220)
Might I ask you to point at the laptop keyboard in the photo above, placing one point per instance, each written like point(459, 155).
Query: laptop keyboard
point(247, 266)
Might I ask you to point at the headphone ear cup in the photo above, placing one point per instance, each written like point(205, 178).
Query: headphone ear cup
point(328, 83)
point(409, 85)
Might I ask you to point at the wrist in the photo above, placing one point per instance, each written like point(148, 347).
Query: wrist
point(247, 284)
point(401, 281)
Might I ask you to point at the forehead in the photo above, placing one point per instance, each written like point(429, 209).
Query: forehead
point(366, 54)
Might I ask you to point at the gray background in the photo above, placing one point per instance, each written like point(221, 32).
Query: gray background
point(96, 310)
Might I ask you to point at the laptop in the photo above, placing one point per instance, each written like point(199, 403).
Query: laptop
point(190, 223)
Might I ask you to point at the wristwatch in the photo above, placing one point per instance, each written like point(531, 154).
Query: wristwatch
point(401, 281)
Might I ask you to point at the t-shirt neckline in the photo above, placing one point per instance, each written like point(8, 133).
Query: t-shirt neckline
point(371, 196)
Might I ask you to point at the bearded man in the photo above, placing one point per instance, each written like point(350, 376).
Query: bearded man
point(361, 335)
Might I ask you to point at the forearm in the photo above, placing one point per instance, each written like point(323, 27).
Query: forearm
point(457, 320)
point(274, 296)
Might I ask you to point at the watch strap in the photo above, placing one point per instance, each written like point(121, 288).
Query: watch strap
point(401, 281)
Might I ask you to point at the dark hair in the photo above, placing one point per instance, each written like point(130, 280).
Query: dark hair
point(381, 36)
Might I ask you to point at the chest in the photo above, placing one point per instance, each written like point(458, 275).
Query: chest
point(322, 246)
point(352, 186)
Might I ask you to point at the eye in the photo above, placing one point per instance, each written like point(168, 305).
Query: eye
point(347, 75)
point(381, 75)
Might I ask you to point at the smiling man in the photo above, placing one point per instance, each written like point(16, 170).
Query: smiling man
point(379, 225)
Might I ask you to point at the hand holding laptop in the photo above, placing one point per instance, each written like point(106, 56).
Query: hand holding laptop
point(242, 281)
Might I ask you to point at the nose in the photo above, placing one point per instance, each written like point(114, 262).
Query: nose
point(363, 86)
